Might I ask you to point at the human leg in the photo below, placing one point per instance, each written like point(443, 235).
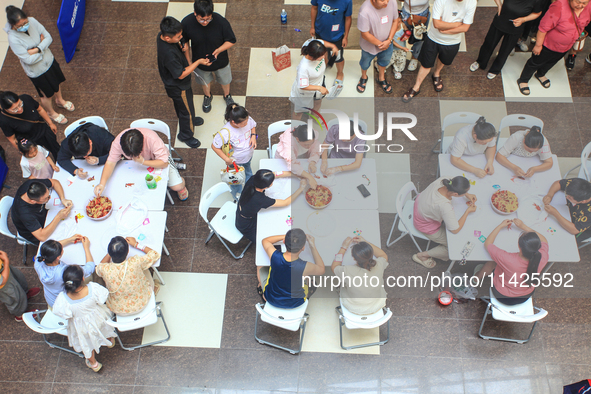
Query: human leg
point(184, 112)
point(237, 189)
point(364, 63)
point(440, 251)
point(507, 45)
point(491, 40)
point(47, 105)
point(175, 181)
point(486, 270)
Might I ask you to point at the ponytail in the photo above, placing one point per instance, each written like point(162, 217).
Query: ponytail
point(236, 113)
point(484, 130)
point(50, 251)
point(530, 244)
point(534, 139)
point(459, 185)
point(25, 145)
point(73, 278)
point(363, 255)
point(262, 179)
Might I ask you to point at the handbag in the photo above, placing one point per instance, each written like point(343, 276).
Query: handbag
point(281, 58)
point(233, 176)
point(580, 42)
point(226, 148)
point(415, 19)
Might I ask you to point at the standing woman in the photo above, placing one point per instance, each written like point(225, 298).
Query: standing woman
point(419, 11)
point(508, 25)
point(23, 117)
point(559, 29)
point(29, 40)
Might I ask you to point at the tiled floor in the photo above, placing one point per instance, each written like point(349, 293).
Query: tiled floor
point(433, 349)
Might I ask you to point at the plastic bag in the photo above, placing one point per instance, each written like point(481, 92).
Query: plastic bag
point(131, 217)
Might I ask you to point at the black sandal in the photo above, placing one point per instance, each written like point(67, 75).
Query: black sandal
point(385, 86)
point(525, 90)
point(361, 84)
point(409, 95)
point(437, 81)
point(545, 84)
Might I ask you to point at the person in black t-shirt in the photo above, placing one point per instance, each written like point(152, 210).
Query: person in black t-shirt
point(28, 210)
point(211, 36)
point(23, 117)
point(175, 70)
point(89, 142)
point(253, 199)
point(507, 25)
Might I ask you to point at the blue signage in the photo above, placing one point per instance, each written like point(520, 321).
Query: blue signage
point(69, 24)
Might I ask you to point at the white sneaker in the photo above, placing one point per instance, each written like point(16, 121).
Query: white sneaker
point(413, 64)
point(397, 75)
point(491, 75)
point(474, 66)
point(523, 46)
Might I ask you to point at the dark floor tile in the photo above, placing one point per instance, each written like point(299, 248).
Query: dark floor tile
point(458, 86)
point(556, 116)
point(492, 377)
point(94, 80)
point(143, 81)
point(139, 106)
point(560, 375)
point(143, 57)
point(184, 367)
point(565, 343)
point(97, 11)
point(181, 221)
point(171, 390)
point(564, 142)
point(93, 32)
point(263, 109)
point(123, 12)
point(181, 255)
point(67, 388)
point(239, 58)
point(279, 369)
point(213, 257)
point(14, 79)
point(193, 158)
point(420, 307)
point(21, 369)
point(42, 10)
point(140, 34)
point(242, 293)
point(260, 36)
point(565, 310)
point(423, 169)
point(238, 329)
point(91, 104)
point(26, 388)
point(104, 56)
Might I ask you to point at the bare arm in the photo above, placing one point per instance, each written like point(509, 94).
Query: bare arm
point(313, 15)
point(317, 268)
point(193, 66)
point(6, 272)
point(370, 38)
point(507, 164)
point(462, 165)
point(268, 243)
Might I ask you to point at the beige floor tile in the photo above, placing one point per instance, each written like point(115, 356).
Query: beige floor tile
point(297, 2)
point(179, 10)
point(3, 50)
point(393, 172)
point(493, 111)
point(568, 163)
point(191, 321)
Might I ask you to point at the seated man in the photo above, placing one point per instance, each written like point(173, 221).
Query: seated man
point(89, 142)
point(578, 199)
point(283, 288)
point(352, 148)
point(145, 147)
point(129, 280)
point(28, 209)
point(14, 291)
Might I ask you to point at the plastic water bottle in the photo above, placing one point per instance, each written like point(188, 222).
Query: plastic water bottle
point(283, 17)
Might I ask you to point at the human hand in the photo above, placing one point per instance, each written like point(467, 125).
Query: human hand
point(384, 45)
point(229, 161)
point(347, 242)
point(517, 22)
point(324, 167)
point(99, 189)
point(489, 169)
point(312, 168)
point(303, 183)
point(547, 199)
point(519, 172)
point(480, 173)
point(92, 160)
point(53, 128)
point(55, 168)
point(312, 32)
point(506, 223)
point(537, 49)
point(471, 208)
point(132, 241)
point(333, 170)
point(519, 223)
point(405, 49)
point(216, 53)
point(4, 258)
point(73, 239)
point(253, 141)
point(551, 210)
point(345, 42)
point(471, 197)
point(203, 62)
point(32, 51)
point(139, 159)
point(85, 242)
point(358, 239)
point(323, 90)
point(530, 172)
point(311, 240)
point(63, 213)
point(184, 47)
point(81, 174)
point(313, 183)
point(42, 37)
point(67, 203)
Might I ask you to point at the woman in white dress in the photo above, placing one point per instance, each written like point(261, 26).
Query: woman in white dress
point(83, 306)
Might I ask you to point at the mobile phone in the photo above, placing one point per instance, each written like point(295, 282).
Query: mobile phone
point(211, 58)
point(363, 190)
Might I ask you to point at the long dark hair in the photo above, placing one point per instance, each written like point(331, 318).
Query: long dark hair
point(301, 133)
point(261, 180)
point(484, 130)
point(458, 185)
point(50, 251)
point(73, 277)
point(8, 99)
point(236, 113)
point(25, 145)
point(530, 244)
point(363, 255)
point(315, 49)
point(534, 139)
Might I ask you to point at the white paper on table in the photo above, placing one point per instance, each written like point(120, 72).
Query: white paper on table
point(131, 217)
point(321, 223)
point(280, 190)
point(528, 211)
point(65, 229)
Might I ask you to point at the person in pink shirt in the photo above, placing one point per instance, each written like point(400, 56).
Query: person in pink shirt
point(295, 145)
point(559, 29)
point(515, 274)
point(145, 147)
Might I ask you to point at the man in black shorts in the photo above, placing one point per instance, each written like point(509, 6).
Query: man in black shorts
point(451, 18)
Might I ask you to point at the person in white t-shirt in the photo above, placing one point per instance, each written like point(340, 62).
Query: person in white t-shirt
point(451, 18)
point(526, 143)
point(308, 89)
point(473, 140)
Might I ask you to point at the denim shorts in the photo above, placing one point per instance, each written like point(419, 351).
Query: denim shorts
point(383, 58)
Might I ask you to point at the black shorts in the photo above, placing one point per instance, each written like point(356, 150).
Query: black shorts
point(432, 50)
point(339, 45)
point(48, 83)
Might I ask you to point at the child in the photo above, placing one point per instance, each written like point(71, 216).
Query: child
point(526, 143)
point(36, 162)
point(50, 268)
point(398, 59)
point(295, 145)
point(84, 308)
point(240, 130)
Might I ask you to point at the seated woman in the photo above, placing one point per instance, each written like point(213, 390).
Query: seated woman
point(352, 148)
point(526, 143)
point(83, 306)
point(144, 147)
point(371, 262)
point(253, 199)
point(129, 281)
point(294, 145)
point(473, 140)
point(433, 208)
point(50, 268)
point(578, 200)
point(531, 259)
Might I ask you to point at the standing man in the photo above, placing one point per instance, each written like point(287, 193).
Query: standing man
point(378, 22)
point(331, 21)
point(211, 36)
point(175, 71)
point(451, 18)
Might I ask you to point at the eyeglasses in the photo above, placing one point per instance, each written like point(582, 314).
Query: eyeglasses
point(203, 20)
point(19, 106)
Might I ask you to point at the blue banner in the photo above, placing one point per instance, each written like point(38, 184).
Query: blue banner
point(69, 24)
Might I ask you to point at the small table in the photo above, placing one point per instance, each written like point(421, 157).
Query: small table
point(562, 245)
point(127, 181)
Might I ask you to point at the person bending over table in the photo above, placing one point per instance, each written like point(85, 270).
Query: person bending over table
point(281, 286)
point(578, 199)
point(352, 148)
point(50, 267)
point(514, 272)
point(434, 213)
point(144, 147)
point(361, 300)
point(129, 280)
point(89, 142)
point(253, 199)
point(526, 143)
point(295, 145)
point(28, 210)
point(474, 140)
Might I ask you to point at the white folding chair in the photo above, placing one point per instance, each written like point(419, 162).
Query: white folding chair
point(289, 319)
point(223, 223)
point(585, 166)
point(520, 313)
point(50, 324)
point(160, 127)
point(97, 120)
point(279, 127)
point(366, 322)
point(145, 318)
point(5, 205)
point(404, 216)
point(454, 118)
point(526, 121)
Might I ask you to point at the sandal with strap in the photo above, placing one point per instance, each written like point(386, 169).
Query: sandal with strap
point(183, 194)
point(68, 106)
point(61, 119)
point(97, 367)
point(112, 343)
point(437, 83)
point(409, 95)
point(524, 90)
point(385, 86)
point(429, 263)
point(361, 84)
point(545, 84)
